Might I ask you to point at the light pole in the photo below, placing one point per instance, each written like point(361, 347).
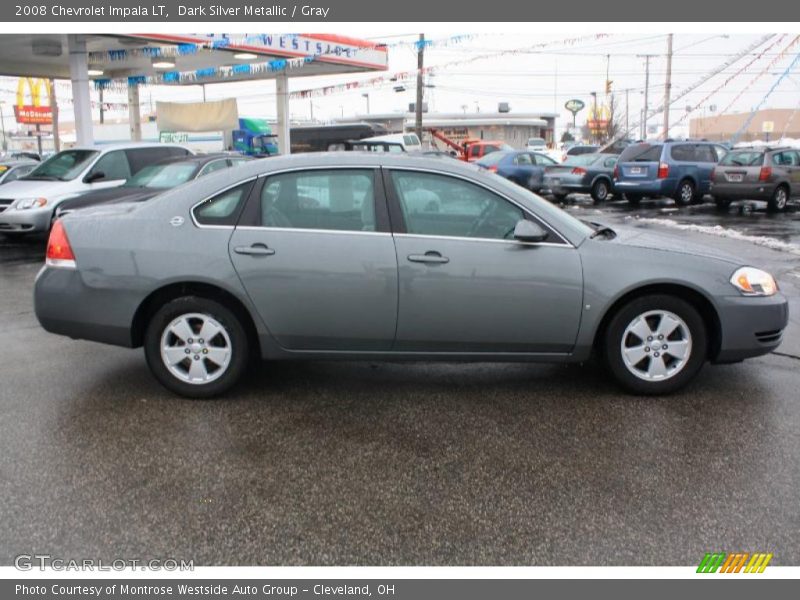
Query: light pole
point(592, 130)
point(3, 124)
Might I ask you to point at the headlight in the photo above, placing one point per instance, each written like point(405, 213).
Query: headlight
point(26, 203)
point(754, 282)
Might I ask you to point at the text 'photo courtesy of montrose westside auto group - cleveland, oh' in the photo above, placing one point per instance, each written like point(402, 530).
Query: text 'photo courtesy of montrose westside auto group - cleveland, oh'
point(360, 300)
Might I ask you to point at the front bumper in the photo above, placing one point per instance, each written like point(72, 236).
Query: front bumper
point(25, 221)
point(742, 191)
point(750, 326)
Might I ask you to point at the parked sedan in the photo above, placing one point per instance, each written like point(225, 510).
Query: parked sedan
point(392, 257)
point(523, 168)
point(583, 174)
point(153, 180)
point(13, 169)
point(769, 174)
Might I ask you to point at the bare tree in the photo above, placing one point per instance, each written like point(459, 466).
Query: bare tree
point(614, 124)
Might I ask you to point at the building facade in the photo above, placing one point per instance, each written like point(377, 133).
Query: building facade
point(766, 125)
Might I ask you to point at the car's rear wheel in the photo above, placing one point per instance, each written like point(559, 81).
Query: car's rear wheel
point(196, 347)
point(685, 194)
point(779, 200)
point(600, 191)
point(722, 203)
point(655, 344)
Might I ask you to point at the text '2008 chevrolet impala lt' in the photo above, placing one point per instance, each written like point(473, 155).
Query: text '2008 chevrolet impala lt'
point(389, 257)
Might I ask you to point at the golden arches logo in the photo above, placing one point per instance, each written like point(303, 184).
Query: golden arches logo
point(33, 113)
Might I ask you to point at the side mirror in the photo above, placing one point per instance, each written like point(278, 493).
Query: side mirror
point(96, 176)
point(528, 231)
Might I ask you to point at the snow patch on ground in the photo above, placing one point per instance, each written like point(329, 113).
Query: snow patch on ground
point(720, 231)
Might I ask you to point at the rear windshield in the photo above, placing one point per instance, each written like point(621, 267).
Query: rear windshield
point(492, 158)
point(582, 159)
point(163, 176)
point(641, 153)
point(743, 158)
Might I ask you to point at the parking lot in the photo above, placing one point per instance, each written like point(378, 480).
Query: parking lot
point(394, 463)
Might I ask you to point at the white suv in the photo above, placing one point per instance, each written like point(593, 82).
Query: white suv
point(28, 204)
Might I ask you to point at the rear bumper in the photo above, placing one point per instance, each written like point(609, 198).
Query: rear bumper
point(565, 185)
point(648, 187)
point(65, 305)
point(742, 191)
point(750, 326)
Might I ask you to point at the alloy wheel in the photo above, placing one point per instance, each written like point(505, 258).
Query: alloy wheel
point(196, 348)
point(656, 345)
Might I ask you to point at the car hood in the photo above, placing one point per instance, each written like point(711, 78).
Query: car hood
point(32, 189)
point(638, 237)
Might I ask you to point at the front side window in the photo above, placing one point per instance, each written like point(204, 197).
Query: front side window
point(439, 205)
point(683, 152)
point(112, 166)
point(335, 199)
point(64, 166)
point(523, 159)
point(224, 208)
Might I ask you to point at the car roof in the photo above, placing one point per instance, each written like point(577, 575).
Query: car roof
point(200, 159)
point(128, 146)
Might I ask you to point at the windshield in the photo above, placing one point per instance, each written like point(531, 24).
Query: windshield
point(63, 166)
point(743, 158)
point(163, 176)
point(641, 153)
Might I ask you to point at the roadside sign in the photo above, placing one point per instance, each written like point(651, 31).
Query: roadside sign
point(574, 106)
point(173, 137)
point(768, 126)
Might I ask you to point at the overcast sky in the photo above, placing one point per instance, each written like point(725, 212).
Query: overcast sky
point(533, 80)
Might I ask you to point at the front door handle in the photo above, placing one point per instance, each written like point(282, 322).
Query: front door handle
point(255, 250)
point(431, 257)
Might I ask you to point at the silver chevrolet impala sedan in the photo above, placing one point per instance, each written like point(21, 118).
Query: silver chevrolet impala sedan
point(369, 256)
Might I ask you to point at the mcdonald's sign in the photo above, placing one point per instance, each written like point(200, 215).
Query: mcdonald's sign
point(735, 562)
point(34, 112)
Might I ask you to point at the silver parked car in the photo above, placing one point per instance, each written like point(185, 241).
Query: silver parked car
point(376, 256)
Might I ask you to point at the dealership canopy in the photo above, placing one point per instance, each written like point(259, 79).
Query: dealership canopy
point(182, 60)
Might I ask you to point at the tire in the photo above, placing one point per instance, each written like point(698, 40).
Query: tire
point(685, 194)
point(601, 191)
point(723, 203)
point(226, 351)
point(633, 199)
point(779, 199)
point(658, 371)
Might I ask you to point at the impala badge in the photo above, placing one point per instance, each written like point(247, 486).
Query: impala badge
point(176, 221)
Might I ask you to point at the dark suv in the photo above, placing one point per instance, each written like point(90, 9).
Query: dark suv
point(680, 170)
point(769, 174)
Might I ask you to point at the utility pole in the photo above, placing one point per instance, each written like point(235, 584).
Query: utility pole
point(647, 58)
point(627, 118)
point(102, 108)
point(420, 64)
point(54, 111)
point(668, 86)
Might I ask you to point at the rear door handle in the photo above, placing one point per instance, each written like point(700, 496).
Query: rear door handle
point(431, 257)
point(255, 250)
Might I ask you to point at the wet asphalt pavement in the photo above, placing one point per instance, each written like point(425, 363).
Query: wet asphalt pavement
point(360, 463)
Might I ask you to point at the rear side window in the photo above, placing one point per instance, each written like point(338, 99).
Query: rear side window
point(743, 158)
point(641, 153)
point(685, 152)
point(336, 199)
point(224, 208)
point(140, 158)
point(787, 158)
point(705, 153)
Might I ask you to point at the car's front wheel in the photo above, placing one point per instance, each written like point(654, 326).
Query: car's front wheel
point(655, 344)
point(196, 347)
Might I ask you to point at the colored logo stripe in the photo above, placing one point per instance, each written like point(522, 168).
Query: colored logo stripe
point(734, 562)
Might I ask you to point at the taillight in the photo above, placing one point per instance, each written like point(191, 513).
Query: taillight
point(663, 170)
point(765, 174)
point(493, 168)
point(616, 172)
point(579, 171)
point(59, 252)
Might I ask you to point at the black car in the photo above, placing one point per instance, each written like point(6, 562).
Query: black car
point(153, 180)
